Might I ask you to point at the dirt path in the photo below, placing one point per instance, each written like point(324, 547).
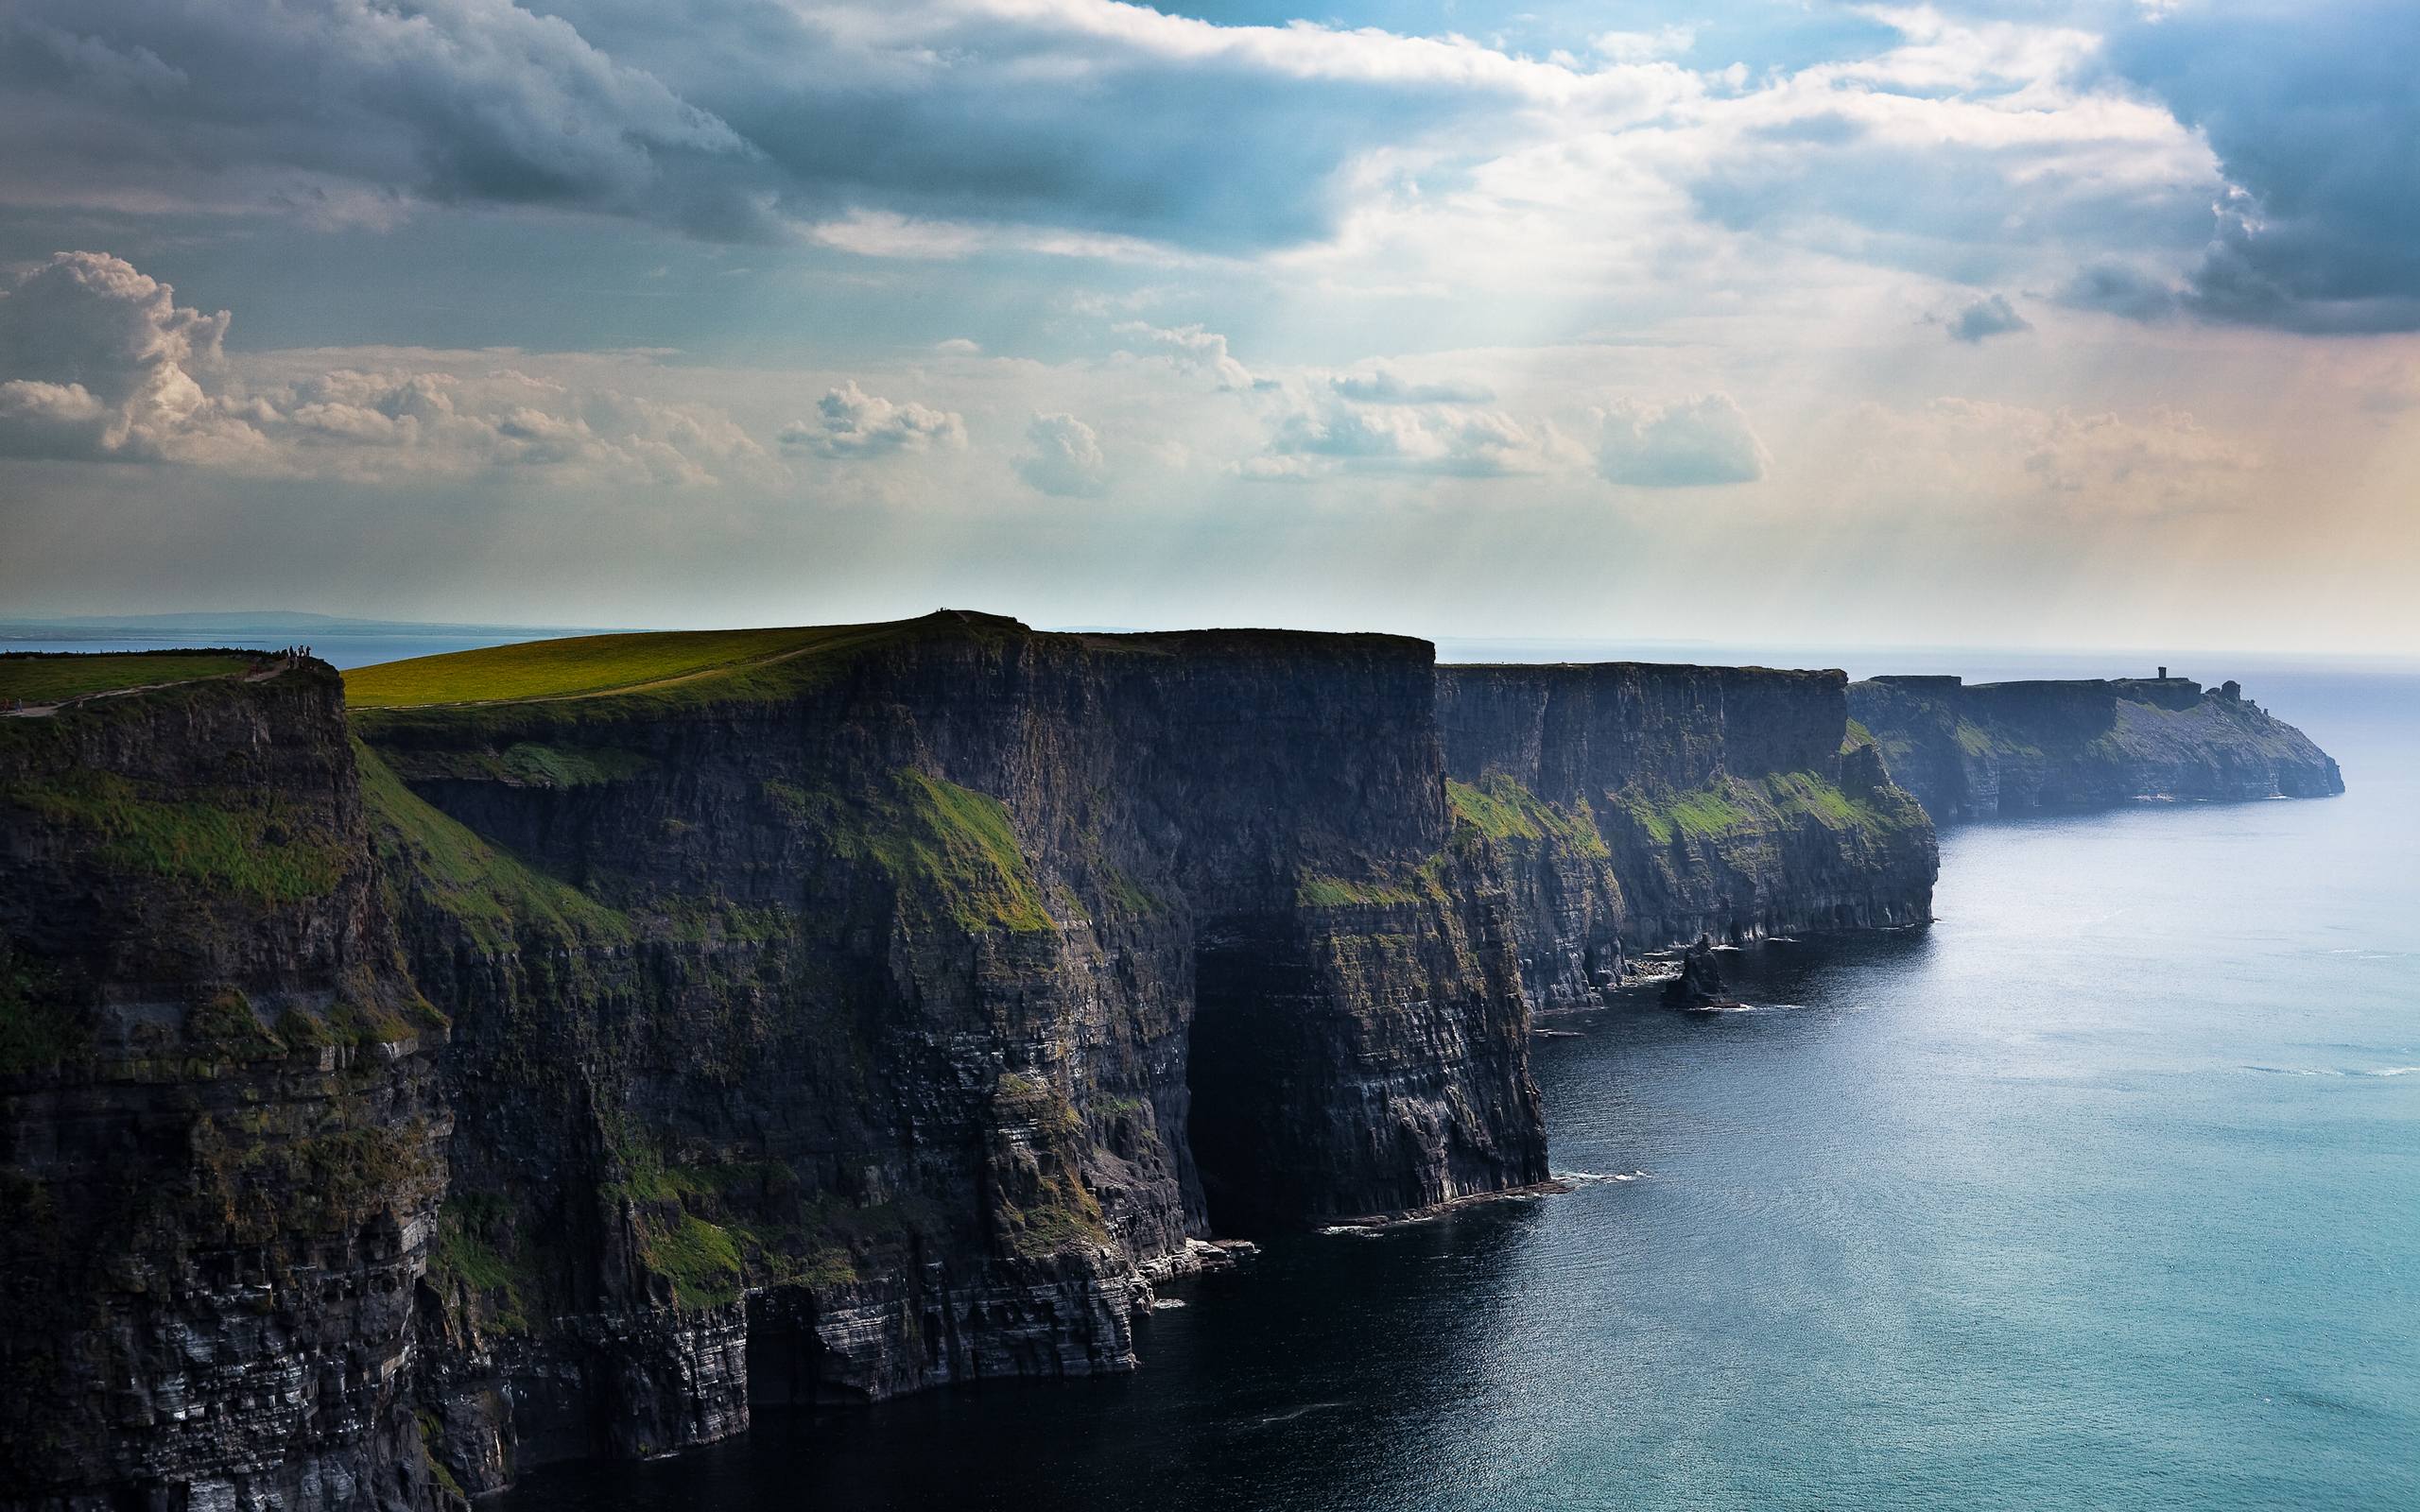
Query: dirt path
point(43, 711)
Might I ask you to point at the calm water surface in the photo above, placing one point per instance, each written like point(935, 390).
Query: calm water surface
point(2102, 1191)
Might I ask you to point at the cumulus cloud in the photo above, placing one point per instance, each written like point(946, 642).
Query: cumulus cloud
point(2313, 113)
point(1991, 316)
point(1696, 442)
point(1318, 436)
point(99, 363)
point(851, 422)
point(1192, 348)
point(1383, 386)
point(1065, 460)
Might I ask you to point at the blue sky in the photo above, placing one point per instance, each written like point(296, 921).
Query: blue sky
point(2025, 323)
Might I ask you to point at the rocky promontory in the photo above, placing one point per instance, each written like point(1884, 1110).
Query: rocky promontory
point(1973, 751)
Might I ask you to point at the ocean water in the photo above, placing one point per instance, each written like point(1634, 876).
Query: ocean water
point(2104, 1191)
point(340, 651)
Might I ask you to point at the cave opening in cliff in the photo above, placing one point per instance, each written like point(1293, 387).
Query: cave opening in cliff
point(1248, 1074)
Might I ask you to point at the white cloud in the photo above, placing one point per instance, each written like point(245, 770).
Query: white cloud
point(1382, 384)
point(851, 422)
point(98, 363)
point(1318, 435)
point(1696, 443)
point(1192, 348)
point(1642, 46)
point(1065, 459)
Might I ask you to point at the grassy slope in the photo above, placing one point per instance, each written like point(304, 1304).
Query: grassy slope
point(44, 678)
point(587, 665)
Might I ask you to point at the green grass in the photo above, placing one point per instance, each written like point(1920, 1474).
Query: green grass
point(1972, 738)
point(475, 1245)
point(48, 677)
point(1502, 809)
point(37, 1030)
point(589, 665)
point(490, 890)
point(1708, 811)
point(1314, 890)
point(949, 850)
point(700, 1259)
point(245, 841)
point(1737, 806)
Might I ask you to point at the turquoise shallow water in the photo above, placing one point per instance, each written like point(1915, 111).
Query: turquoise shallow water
point(2102, 1191)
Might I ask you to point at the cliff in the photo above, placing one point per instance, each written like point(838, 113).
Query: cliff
point(221, 1145)
point(878, 1019)
point(866, 1010)
point(573, 1044)
point(1641, 807)
point(2016, 748)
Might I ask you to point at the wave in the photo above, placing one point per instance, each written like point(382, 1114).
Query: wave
point(1290, 1416)
point(2336, 1071)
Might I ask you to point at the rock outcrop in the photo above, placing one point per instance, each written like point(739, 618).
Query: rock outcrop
point(1639, 806)
point(1697, 983)
point(1971, 752)
point(221, 1146)
point(392, 1101)
point(872, 1026)
point(507, 1081)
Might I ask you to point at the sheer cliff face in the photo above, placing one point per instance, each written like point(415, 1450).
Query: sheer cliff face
point(2013, 748)
point(1644, 805)
point(221, 1148)
point(878, 1025)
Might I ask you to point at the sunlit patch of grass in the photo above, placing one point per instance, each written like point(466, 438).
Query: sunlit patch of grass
point(589, 665)
point(43, 678)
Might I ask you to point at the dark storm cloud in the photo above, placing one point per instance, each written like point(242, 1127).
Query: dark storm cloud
point(723, 118)
point(2315, 118)
point(333, 106)
point(1991, 316)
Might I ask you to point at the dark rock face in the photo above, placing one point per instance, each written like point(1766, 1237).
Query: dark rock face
point(220, 1146)
point(1640, 805)
point(389, 1109)
point(1698, 982)
point(2016, 748)
point(895, 1027)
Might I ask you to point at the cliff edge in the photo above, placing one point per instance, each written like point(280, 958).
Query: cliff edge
point(1642, 805)
point(1982, 750)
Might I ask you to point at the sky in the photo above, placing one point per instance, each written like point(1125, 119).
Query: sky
point(2037, 323)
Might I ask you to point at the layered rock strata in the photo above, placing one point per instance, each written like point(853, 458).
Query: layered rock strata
point(864, 1020)
point(1641, 807)
point(1971, 752)
point(222, 1146)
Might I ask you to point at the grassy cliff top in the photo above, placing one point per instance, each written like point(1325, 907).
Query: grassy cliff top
point(45, 677)
point(1592, 671)
point(587, 666)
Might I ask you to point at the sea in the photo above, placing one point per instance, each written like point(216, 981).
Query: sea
point(2102, 1191)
